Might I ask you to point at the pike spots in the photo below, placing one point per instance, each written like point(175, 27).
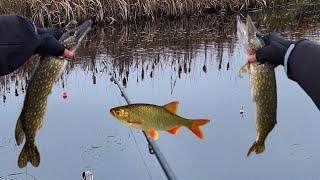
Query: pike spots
point(263, 86)
point(46, 73)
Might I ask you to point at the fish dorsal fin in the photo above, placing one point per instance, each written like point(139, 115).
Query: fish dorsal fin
point(172, 106)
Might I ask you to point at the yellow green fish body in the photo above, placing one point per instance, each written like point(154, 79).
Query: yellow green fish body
point(152, 118)
point(264, 94)
point(263, 88)
point(35, 103)
point(46, 73)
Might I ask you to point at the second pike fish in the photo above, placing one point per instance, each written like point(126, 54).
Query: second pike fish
point(152, 118)
point(47, 71)
point(263, 85)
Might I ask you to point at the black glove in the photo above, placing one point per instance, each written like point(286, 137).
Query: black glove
point(275, 49)
point(49, 42)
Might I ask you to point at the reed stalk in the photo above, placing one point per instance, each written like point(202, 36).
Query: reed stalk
point(69, 12)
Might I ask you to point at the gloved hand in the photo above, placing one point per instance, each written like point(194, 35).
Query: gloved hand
point(275, 49)
point(50, 44)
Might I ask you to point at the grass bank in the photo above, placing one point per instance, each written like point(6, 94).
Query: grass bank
point(51, 12)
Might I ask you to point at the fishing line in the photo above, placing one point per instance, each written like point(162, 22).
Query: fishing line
point(153, 147)
point(139, 150)
point(131, 132)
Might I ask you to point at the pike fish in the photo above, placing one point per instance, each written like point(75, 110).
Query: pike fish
point(46, 73)
point(262, 82)
point(152, 118)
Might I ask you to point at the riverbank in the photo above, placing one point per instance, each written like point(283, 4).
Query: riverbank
point(67, 12)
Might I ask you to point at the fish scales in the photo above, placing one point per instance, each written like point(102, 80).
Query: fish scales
point(263, 85)
point(38, 89)
point(47, 70)
point(152, 118)
point(158, 118)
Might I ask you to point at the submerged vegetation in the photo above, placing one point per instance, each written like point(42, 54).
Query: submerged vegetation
point(49, 12)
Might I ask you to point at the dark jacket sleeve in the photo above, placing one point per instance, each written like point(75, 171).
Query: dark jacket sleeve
point(304, 68)
point(18, 41)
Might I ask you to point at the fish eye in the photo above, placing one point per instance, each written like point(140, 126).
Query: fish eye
point(119, 112)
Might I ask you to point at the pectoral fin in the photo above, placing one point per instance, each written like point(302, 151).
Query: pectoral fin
point(172, 107)
point(243, 69)
point(153, 134)
point(174, 130)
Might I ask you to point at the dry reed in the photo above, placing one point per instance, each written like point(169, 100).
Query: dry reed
point(67, 12)
point(146, 47)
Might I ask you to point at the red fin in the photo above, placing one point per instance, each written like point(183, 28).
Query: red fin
point(135, 121)
point(174, 130)
point(195, 126)
point(153, 134)
point(172, 107)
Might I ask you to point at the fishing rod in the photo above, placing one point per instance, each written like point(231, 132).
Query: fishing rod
point(153, 147)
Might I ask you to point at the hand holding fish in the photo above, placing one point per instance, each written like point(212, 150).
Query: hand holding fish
point(299, 58)
point(20, 38)
point(274, 50)
point(49, 43)
point(45, 75)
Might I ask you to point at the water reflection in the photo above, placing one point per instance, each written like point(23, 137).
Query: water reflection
point(142, 50)
point(184, 49)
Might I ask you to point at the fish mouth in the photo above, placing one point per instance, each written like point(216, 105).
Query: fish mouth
point(83, 29)
point(77, 34)
point(113, 112)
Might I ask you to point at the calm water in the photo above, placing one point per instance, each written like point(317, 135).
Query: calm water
point(193, 61)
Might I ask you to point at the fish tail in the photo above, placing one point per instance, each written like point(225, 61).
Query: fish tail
point(194, 126)
point(256, 147)
point(19, 133)
point(30, 154)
